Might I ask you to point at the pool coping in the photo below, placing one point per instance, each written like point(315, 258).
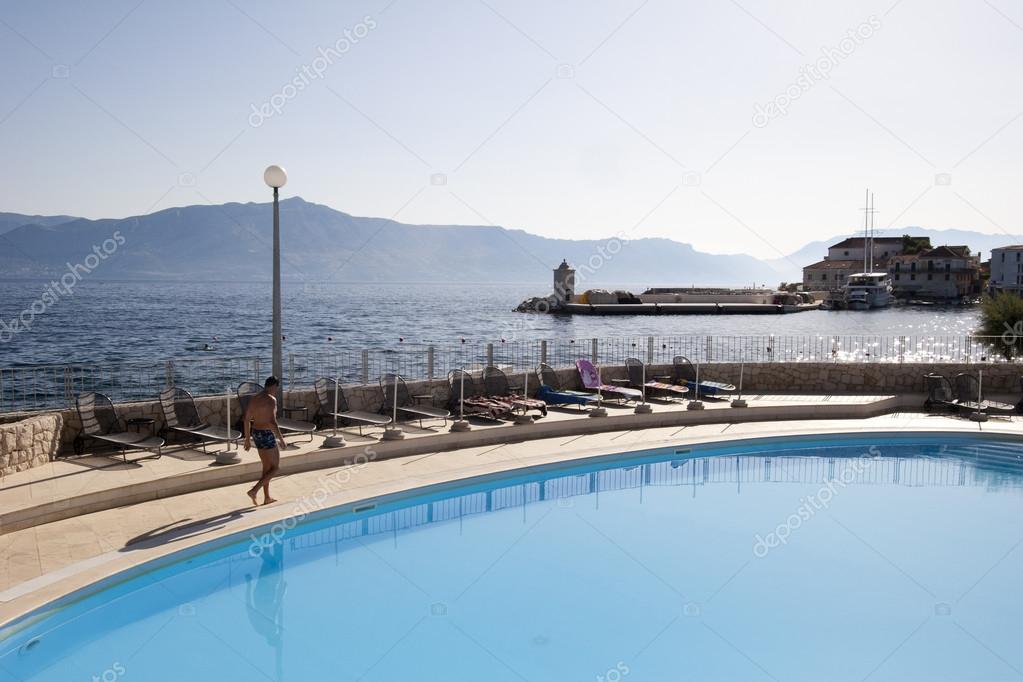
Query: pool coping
point(41, 513)
point(24, 603)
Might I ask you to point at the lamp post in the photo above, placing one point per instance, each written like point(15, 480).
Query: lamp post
point(276, 177)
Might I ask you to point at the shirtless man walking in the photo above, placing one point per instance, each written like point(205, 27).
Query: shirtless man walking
point(261, 427)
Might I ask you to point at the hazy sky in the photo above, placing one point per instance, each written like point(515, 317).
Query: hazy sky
point(568, 119)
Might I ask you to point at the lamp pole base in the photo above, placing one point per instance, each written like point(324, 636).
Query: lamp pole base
point(597, 412)
point(643, 408)
point(460, 425)
point(228, 457)
point(337, 441)
point(978, 416)
point(739, 402)
point(393, 433)
point(523, 419)
point(695, 405)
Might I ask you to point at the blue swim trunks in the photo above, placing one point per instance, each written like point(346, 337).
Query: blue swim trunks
point(264, 439)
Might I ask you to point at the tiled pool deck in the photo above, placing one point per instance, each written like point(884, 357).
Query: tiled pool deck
point(47, 560)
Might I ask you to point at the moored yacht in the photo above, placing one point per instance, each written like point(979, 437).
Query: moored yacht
point(866, 290)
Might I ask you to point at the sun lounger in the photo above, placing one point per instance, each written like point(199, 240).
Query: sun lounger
point(685, 374)
point(967, 397)
point(474, 402)
point(551, 392)
point(939, 394)
point(100, 423)
point(406, 404)
point(325, 388)
point(635, 370)
point(181, 416)
point(591, 380)
point(495, 383)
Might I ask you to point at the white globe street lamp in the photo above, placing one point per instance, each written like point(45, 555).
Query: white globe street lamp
point(276, 177)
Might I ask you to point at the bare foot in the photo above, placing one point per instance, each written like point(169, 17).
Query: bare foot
point(252, 496)
point(267, 501)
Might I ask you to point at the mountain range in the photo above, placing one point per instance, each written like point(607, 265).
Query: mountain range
point(233, 242)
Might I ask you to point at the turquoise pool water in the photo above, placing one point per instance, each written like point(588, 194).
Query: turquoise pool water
point(826, 559)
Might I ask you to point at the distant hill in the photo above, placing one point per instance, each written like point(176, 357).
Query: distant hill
point(9, 221)
point(233, 242)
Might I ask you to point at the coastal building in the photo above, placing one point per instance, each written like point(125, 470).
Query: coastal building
point(847, 257)
point(854, 248)
point(944, 273)
point(829, 275)
point(1006, 269)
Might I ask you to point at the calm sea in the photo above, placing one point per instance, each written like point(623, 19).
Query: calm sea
point(123, 321)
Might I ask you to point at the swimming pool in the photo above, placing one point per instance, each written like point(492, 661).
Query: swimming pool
point(881, 557)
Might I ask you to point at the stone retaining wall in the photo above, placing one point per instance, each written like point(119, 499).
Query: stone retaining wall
point(30, 442)
point(808, 378)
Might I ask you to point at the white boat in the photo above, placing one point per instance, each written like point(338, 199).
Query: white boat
point(867, 290)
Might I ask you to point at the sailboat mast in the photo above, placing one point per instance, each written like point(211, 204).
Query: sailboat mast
point(866, 217)
point(872, 232)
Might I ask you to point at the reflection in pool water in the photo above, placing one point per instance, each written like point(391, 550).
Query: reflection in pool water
point(895, 558)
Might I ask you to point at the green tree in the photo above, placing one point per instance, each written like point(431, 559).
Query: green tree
point(1001, 317)
point(912, 245)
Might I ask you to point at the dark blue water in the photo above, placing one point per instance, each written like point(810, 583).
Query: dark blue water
point(121, 321)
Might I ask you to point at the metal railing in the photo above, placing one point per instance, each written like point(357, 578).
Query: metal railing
point(51, 386)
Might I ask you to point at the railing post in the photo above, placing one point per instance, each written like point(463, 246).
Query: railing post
point(255, 370)
point(543, 351)
point(490, 355)
point(291, 371)
point(649, 350)
point(69, 388)
point(709, 353)
point(593, 351)
point(168, 374)
point(364, 374)
point(429, 362)
point(902, 349)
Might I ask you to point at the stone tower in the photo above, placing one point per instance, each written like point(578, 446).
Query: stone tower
point(564, 284)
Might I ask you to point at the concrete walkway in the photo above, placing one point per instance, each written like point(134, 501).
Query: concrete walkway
point(71, 487)
point(44, 562)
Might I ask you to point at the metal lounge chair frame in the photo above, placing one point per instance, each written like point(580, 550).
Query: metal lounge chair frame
point(325, 387)
point(967, 397)
point(100, 423)
point(247, 389)
point(181, 416)
point(594, 383)
point(551, 392)
point(939, 393)
point(474, 404)
point(405, 403)
point(685, 373)
point(495, 383)
point(634, 367)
